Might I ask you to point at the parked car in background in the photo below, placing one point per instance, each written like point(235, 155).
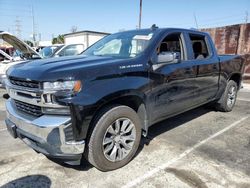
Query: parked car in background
point(7, 50)
point(61, 50)
point(4, 56)
point(48, 51)
point(23, 52)
point(68, 50)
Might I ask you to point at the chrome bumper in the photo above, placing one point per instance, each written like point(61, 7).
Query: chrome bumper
point(45, 134)
point(2, 80)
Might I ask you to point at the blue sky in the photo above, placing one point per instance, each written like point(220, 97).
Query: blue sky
point(53, 17)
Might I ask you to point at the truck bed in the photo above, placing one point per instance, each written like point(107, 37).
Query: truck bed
point(227, 57)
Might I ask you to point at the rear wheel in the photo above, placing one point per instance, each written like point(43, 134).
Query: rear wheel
point(115, 138)
point(228, 99)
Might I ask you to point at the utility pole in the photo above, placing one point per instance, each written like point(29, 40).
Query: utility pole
point(140, 14)
point(243, 43)
point(18, 27)
point(40, 37)
point(33, 26)
point(241, 46)
point(196, 23)
point(246, 18)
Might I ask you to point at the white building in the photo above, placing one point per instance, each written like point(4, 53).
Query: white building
point(87, 38)
point(45, 43)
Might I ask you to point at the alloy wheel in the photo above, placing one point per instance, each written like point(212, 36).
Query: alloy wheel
point(119, 139)
point(231, 96)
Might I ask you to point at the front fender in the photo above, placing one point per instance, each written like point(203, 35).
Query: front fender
point(96, 94)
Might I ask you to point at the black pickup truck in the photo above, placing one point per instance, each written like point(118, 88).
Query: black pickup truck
point(98, 105)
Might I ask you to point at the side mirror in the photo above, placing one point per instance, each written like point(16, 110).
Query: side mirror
point(168, 57)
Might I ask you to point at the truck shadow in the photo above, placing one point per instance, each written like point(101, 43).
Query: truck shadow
point(84, 166)
point(29, 181)
point(171, 123)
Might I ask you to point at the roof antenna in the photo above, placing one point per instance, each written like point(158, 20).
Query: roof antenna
point(153, 27)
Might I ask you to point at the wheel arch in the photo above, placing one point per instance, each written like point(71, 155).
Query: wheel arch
point(133, 100)
point(237, 77)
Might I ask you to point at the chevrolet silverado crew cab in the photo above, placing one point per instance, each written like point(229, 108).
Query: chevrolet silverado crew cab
point(99, 104)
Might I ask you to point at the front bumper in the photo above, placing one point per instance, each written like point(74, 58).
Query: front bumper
point(46, 134)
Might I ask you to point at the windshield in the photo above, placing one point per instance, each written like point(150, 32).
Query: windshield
point(125, 45)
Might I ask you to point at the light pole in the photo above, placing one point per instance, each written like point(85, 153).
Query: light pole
point(140, 14)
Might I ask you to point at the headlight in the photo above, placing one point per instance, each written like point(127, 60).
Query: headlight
point(62, 86)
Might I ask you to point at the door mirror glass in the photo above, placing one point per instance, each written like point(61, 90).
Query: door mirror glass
point(168, 57)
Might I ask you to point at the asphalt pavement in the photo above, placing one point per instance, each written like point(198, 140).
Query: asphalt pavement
point(200, 148)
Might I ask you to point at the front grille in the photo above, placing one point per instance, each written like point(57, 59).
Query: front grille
point(28, 108)
point(24, 83)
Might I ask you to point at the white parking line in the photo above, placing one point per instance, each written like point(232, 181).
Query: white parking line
point(246, 86)
point(243, 99)
point(182, 155)
point(2, 130)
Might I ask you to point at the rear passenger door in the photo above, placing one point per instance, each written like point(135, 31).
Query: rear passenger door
point(207, 66)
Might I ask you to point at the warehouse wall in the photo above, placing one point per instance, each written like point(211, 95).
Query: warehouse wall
point(94, 38)
point(234, 39)
point(80, 39)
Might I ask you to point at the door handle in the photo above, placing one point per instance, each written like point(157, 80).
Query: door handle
point(215, 67)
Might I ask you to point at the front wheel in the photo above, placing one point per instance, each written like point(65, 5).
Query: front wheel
point(115, 138)
point(228, 99)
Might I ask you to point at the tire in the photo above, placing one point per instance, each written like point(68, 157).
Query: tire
point(114, 139)
point(228, 99)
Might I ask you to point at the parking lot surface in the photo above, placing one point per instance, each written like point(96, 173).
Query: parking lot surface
point(200, 148)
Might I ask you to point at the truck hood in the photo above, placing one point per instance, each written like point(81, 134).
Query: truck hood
point(18, 44)
point(65, 67)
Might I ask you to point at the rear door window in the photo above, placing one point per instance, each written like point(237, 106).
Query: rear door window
point(199, 46)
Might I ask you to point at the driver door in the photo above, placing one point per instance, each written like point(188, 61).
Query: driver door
point(173, 88)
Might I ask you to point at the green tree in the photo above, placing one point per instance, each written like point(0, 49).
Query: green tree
point(58, 40)
point(29, 43)
point(54, 40)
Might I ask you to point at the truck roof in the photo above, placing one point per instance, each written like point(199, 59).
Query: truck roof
point(193, 30)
